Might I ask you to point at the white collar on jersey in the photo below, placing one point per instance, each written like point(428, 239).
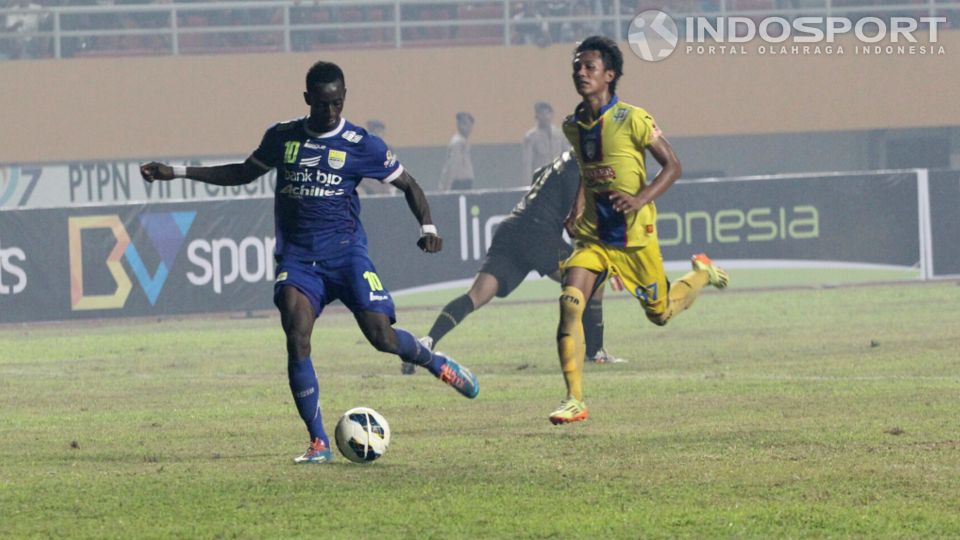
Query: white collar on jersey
point(331, 133)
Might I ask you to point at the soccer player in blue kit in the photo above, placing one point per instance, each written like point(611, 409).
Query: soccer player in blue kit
point(321, 248)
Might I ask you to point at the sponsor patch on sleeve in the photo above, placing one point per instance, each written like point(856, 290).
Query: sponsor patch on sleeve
point(655, 132)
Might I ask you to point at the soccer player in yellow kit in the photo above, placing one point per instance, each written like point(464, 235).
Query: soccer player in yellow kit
point(614, 217)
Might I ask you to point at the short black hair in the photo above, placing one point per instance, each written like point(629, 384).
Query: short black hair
point(609, 51)
point(543, 106)
point(463, 116)
point(325, 72)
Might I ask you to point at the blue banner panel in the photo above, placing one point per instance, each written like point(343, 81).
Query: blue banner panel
point(217, 255)
point(852, 218)
point(945, 222)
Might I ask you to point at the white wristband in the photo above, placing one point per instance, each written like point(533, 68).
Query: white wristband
point(179, 171)
point(428, 229)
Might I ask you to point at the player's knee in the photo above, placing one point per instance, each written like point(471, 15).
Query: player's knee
point(659, 319)
point(479, 298)
point(572, 305)
point(298, 344)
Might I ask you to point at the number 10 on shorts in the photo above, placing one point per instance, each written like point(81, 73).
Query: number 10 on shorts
point(373, 281)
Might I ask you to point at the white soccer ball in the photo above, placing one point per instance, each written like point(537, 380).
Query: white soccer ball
point(362, 435)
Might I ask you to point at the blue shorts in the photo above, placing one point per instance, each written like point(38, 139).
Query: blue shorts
point(350, 278)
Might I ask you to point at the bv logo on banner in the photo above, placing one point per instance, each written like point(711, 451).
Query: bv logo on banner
point(166, 231)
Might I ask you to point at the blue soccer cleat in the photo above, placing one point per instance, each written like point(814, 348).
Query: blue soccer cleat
point(318, 452)
point(458, 377)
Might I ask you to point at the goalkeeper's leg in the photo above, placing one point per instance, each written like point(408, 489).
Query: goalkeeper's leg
point(482, 291)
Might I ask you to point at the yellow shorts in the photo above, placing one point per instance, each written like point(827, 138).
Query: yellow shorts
point(640, 269)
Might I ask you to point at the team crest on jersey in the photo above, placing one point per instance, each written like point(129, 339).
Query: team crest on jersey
point(620, 115)
point(336, 159)
point(391, 159)
point(590, 149)
point(590, 142)
point(352, 136)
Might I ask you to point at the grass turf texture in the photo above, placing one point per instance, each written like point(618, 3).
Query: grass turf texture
point(801, 413)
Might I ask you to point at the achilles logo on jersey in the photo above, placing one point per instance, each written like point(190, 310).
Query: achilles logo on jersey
point(7, 256)
point(299, 192)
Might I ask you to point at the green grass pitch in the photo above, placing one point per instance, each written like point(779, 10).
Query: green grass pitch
point(811, 412)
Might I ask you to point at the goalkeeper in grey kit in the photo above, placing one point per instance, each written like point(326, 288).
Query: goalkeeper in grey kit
point(531, 239)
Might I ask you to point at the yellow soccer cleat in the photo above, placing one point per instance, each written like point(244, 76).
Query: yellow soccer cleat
point(718, 277)
point(571, 410)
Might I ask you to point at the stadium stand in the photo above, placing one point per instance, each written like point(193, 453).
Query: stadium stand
point(77, 28)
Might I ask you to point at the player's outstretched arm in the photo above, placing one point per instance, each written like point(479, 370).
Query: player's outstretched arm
point(669, 173)
point(429, 240)
point(233, 174)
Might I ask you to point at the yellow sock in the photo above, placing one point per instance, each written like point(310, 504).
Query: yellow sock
point(683, 293)
point(571, 344)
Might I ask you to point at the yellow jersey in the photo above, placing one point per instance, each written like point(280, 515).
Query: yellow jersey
point(611, 153)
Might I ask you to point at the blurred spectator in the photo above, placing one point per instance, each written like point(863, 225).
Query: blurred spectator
point(531, 24)
point(543, 142)
point(24, 24)
point(457, 172)
point(373, 187)
point(575, 31)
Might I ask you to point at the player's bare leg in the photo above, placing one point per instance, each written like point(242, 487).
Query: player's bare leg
point(683, 293)
point(577, 286)
point(376, 327)
point(297, 317)
point(483, 290)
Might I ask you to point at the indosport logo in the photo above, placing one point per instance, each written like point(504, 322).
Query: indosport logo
point(165, 232)
point(653, 35)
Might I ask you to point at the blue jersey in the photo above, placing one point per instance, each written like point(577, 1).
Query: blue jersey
point(317, 208)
